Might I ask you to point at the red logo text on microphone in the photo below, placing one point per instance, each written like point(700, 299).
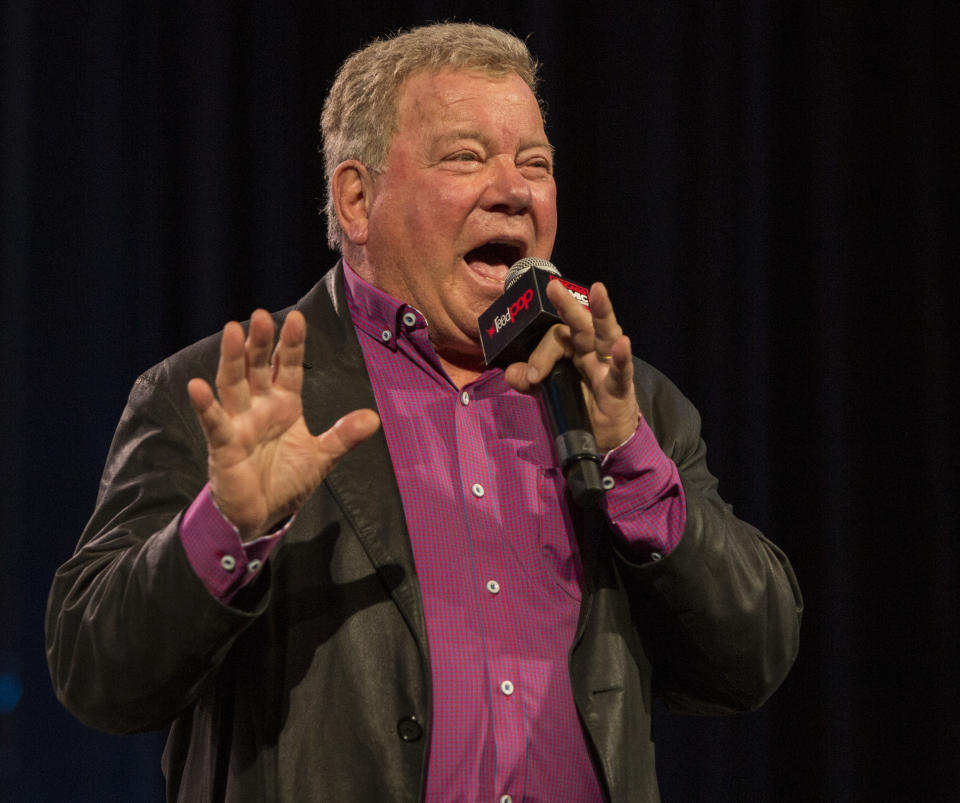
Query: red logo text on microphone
point(580, 293)
point(518, 306)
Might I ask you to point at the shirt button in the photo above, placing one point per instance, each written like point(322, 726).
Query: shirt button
point(254, 565)
point(477, 490)
point(608, 482)
point(506, 799)
point(464, 398)
point(385, 335)
point(506, 687)
point(493, 586)
point(228, 562)
point(655, 556)
point(409, 319)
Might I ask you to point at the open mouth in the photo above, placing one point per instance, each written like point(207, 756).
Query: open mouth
point(492, 259)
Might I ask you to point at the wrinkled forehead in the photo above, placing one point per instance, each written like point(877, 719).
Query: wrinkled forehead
point(426, 95)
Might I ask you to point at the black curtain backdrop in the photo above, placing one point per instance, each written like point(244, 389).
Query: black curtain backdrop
point(766, 190)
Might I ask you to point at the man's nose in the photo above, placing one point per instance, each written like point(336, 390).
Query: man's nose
point(507, 191)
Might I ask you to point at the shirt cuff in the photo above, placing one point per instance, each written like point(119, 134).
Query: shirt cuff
point(222, 561)
point(644, 501)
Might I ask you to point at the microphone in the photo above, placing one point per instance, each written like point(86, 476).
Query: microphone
point(510, 328)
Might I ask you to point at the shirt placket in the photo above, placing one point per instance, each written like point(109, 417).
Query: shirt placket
point(494, 580)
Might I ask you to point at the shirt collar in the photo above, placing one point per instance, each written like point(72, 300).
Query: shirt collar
point(379, 314)
point(389, 321)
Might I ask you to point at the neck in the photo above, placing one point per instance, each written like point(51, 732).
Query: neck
point(461, 368)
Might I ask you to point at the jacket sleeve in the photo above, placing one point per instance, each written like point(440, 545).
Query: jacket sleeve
point(722, 611)
point(132, 634)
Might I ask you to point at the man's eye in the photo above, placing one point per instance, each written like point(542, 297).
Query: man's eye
point(538, 165)
point(466, 156)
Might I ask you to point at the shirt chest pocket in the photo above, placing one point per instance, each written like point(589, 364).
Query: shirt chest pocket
point(547, 543)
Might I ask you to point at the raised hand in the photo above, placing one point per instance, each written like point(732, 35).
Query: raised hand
point(263, 462)
point(601, 352)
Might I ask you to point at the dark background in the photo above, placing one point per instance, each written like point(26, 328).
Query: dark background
point(766, 190)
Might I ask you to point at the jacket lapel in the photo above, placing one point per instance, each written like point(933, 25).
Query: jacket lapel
point(363, 482)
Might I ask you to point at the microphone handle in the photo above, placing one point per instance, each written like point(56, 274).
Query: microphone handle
point(576, 446)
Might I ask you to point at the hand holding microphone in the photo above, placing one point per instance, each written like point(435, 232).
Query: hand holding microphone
point(536, 331)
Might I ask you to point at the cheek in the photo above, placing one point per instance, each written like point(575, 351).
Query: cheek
point(545, 203)
point(546, 197)
point(433, 211)
point(453, 193)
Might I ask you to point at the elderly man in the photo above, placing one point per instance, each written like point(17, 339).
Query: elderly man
point(413, 612)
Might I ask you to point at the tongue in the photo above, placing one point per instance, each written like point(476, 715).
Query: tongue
point(492, 260)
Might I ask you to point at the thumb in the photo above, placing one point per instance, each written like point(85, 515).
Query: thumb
point(350, 431)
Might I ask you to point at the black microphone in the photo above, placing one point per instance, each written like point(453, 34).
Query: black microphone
point(509, 330)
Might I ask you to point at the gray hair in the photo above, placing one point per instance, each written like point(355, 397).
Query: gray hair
point(360, 112)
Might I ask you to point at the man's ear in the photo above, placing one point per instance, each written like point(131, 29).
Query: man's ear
point(350, 188)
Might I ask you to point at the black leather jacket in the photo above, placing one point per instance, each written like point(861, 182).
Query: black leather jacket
point(315, 683)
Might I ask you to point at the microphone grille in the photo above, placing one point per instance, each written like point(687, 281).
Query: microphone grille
point(521, 266)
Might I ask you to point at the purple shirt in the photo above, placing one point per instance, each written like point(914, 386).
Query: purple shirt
point(497, 559)
point(496, 556)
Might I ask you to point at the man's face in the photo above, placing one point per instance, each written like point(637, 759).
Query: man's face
point(467, 189)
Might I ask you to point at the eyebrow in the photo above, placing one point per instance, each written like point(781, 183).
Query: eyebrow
point(479, 136)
